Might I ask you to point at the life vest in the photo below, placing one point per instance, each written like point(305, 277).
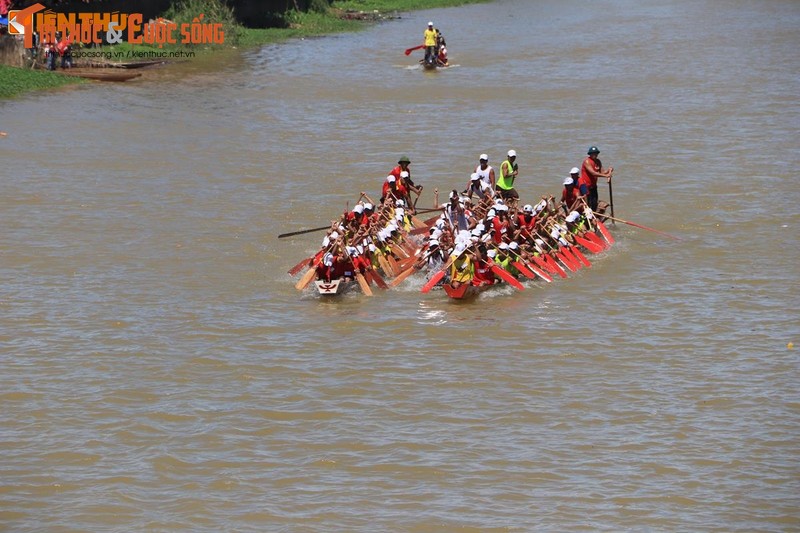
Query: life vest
point(506, 182)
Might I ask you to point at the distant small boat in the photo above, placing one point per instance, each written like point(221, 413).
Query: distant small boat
point(101, 75)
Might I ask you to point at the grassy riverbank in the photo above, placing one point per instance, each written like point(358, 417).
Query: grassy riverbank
point(14, 81)
point(341, 16)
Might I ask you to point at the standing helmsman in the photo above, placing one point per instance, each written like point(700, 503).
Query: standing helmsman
point(591, 170)
point(508, 173)
point(430, 37)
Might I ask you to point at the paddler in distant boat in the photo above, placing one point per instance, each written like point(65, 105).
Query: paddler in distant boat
point(429, 37)
point(591, 169)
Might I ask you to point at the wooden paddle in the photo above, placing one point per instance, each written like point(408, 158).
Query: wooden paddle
point(589, 245)
point(362, 282)
point(402, 276)
point(642, 227)
point(611, 199)
point(293, 233)
point(437, 277)
point(376, 278)
point(582, 258)
point(500, 272)
point(299, 266)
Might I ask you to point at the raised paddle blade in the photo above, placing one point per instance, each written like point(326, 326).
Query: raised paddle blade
point(293, 233)
point(525, 271)
point(306, 279)
point(591, 236)
point(436, 278)
point(589, 245)
point(362, 282)
point(503, 274)
point(604, 232)
point(542, 274)
point(409, 50)
point(299, 266)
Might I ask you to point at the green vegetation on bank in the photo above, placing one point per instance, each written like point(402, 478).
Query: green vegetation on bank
point(322, 19)
point(20, 80)
point(387, 6)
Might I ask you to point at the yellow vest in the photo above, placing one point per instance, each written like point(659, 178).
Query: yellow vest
point(430, 37)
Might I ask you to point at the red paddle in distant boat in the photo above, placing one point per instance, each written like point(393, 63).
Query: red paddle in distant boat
point(420, 47)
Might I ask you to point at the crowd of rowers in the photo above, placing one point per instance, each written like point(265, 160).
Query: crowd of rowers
point(476, 230)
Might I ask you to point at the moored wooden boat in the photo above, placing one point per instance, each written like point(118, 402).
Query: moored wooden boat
point(100, 74)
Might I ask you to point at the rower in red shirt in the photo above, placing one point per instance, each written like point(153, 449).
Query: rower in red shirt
point(483, 270)
point(571, 192)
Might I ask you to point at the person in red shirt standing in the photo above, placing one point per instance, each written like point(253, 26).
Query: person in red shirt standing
point(403, 176)
point(591, 170)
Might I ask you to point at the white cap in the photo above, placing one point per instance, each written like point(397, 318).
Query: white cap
point(512, 153)
point(399, 212)
point(372, 247)
point(453, 195)
point(484, 157)
point(368, 206)
point(528, 208)
point(575, 170)
point(476, 232)
point(435, 234)
point(503, 246)
point(327, 259)
point(433, 242)
point(404, 174)
point(502, 208)
point(459, 249)
point(358, 208)
point(334, 235)
point(480, 226)
point(491, 253)
point(573, 216)
point(400, 203)
point(513, 245)
point(351, 250)
point(474, 176)
point(498, 201)
point(491, 213)
point(390, 178)
point(569, 181)
point(430, 23)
